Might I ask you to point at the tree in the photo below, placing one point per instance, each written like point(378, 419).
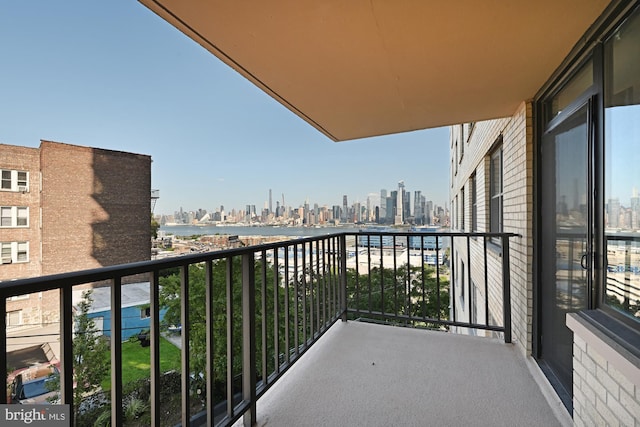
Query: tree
point(90, 353)
point(155, 226)
point(170, 298)
point(400, 292)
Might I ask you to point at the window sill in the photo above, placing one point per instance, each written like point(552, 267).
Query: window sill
point(494, 246)
point(613, 340)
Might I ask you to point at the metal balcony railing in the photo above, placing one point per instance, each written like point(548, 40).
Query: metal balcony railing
point(250, 313)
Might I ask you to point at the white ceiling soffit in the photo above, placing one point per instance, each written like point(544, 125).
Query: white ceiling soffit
point(361, 68)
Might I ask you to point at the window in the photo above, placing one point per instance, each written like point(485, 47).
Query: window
point(23, 252)
point(455, 164)
point(6, 219)
point(13, 180)
point(6, 180)
point(452, 175)
point(145, 313)
point(5, 252)
point(14, 216)
point(22, 219)
point(462, 143)
point(11, 252)
point(474, 203)
point(474, 302)
point(462, 209)
point(455, 222)
point(462, 284)
point(22, 179)
point(622, 175)
point(14, 318)
point(495, 184)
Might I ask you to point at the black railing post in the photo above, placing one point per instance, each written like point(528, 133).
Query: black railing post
point(116, 352)
point(209, 339)
point(3, 344)
point(66, 349)
point(184, 322)
point(249, 338)
point(506, 288)
point(343, 276)
point(154, 308)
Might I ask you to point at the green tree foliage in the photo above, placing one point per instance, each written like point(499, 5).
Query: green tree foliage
point(398, 294)
point(155, 226)
point(304, 304)
point(90, 356)
point(170, 298)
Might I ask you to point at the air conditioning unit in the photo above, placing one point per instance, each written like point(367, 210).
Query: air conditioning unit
point(22, 188)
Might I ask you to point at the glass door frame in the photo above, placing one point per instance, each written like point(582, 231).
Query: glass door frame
point(592, 97)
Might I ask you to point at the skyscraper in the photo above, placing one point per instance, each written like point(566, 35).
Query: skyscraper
point(345, 208)
point(399, 216)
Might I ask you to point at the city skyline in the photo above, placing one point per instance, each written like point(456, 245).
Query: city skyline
point(71, 77)
point(277, 197)
point(400, 206)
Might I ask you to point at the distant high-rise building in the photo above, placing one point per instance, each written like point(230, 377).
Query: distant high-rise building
point(418, 202)
point(613, 213)
point(399, 217)
point(392, 206)
point(383, 204)
point(270, 202)
point(345, 208)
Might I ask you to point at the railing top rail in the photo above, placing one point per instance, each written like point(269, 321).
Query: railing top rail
point(61, 280)
point(57, 281)
point(430, 234)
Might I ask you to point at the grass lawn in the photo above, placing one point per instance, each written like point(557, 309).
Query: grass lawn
point(136, 361)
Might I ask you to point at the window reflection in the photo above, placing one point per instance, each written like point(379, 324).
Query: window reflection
point(622, 168)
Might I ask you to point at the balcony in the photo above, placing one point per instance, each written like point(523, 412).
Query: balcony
point(247, 316)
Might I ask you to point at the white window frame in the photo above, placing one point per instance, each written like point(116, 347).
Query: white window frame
point(4, 180)
point(15, 250)
point(22, 248)
point(14, 183)
point(473, 186)
point(15, 214)
point(145, 313)
point(496, 191)
point(3, 247)
point(18, 323)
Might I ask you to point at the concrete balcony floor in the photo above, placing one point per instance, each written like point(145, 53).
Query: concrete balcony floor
point(361, 374)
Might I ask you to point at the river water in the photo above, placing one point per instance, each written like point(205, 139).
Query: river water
point(189, 230)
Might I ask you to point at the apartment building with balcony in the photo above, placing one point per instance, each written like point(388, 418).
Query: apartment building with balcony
point(64, 208)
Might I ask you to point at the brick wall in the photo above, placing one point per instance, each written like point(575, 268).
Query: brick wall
point(517, 159)
point(22, 159)
point(96, 207)
point(606, 386)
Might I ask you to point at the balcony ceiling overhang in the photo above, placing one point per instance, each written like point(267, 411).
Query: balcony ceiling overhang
point(362, 68)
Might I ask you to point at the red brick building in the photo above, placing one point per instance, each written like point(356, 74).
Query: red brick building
point(65, 208)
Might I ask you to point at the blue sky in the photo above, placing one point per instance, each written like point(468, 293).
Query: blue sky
point(113, 75)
